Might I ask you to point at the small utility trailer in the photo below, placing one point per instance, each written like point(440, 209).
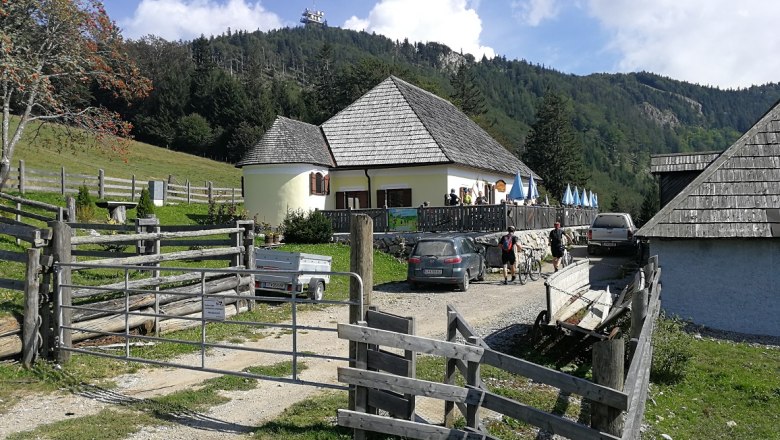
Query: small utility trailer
point(291, 280)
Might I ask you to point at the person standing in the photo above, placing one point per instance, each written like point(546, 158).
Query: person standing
point(467, 197)
point(453, 199)
point(556, 244)
point(481, 200)
point(509, 246)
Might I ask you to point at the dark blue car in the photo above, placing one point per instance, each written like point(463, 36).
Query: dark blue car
point(446, 260)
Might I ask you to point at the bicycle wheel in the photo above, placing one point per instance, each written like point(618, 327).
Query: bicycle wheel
point(522, 274)
point(536, 269)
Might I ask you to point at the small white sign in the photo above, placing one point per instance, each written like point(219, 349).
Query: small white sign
point(214, 308)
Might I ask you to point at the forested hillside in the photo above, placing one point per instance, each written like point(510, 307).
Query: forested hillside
point(216, 96)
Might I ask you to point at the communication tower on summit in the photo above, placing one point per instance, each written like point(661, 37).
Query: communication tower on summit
point(313, 16)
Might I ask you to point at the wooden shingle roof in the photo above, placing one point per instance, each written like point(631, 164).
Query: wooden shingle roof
point(289, 141)
point(669, 163)
point(736, 196)
point(398, 124)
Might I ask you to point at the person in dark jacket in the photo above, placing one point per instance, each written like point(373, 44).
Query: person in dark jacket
point(556, 244)
point(453, 199)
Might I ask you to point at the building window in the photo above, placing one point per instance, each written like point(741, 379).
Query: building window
point(351, 199)
point(394, 198)
point(319, 184)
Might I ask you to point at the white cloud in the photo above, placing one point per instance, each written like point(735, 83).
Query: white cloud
point(711, 42)
point(451, 22)
point(188, 19)
point(533, 12)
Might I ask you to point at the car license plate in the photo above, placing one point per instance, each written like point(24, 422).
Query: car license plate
point(270, 285)
point(432, 271)
point(609, 244)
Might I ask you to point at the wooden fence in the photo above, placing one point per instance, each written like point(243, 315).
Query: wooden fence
point(28, 179)
point(144, 243)
point(617, 401)
point(470, 217)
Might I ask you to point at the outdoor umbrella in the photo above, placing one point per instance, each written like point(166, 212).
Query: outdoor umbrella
point(596, 197)
point(577, 201)
point(592, 199)
point(533, 189)
point(585, 198)
point(546, 200)
point(568, 198)
point(517, 192)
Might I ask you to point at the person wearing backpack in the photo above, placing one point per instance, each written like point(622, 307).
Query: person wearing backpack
point(453, 199)
point(509, 244)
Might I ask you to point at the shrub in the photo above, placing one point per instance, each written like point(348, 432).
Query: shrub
point(672, 351)
point(306, 227)
point(145, 204)
point(85, 205)
point(224, 213)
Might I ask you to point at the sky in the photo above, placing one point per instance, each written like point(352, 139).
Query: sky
point(728, 44)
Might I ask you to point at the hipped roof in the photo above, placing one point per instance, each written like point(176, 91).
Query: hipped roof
point(290, 141)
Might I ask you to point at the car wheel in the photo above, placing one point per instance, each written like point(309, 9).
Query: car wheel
point(482, 270)
point(464, 283)
point(591, 250)
point(318, 293)
point(413, 284)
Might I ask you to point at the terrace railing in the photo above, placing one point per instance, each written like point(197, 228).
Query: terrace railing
point(466, 218)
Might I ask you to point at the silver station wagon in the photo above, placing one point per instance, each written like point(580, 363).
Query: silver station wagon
point(446, 260)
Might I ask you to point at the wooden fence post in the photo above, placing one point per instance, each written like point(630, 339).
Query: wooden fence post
point(608, 364)
point(101, 184)
point(450, 367)
point(362, 263)
point(70, 204)
point(61, 247)
point(30, 321)
point(150, 247)
point(473, 380)
point(21, 177)
point(638, 313)
point(132, 188)
point(249, 254)
point(211, 191)
point(62, 180)
point(188, 191)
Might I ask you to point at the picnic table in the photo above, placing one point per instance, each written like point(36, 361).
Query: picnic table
point(117, 210)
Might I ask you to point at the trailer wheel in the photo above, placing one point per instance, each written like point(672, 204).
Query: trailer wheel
point(316, 289)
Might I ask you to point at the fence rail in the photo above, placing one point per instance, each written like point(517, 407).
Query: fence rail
point(29, 179)
point(467, 218)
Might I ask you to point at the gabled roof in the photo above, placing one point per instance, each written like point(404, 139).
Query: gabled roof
point(398, 124)
point(289, 141)
point(676, 162)
point(737, 195)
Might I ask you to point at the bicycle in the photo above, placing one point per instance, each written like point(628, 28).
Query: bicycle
point(531, 267)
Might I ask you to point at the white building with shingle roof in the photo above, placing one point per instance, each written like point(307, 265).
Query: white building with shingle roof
point(395, 146)
point(718, 240)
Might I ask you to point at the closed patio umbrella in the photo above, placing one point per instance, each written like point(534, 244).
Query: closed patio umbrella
point(568, 198)
point(576, 194)
point(517, 192)
point(533, 189)
point(585, 198)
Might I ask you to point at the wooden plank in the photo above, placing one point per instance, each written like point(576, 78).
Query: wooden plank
point(464, 328)
point(9, 284)
point(147, 282)
point(597, 312)
point(403, 428)
point(27, 214)
point(410, 342)
point(22, 232)
point(563, 381)
point(173, 256)
point(393, 403)
point(580, 302)
point(636, 366)
point(548, 422)
point(389, 362)
point(112, 238)
point(13, 256)
point(405, 385)
point(634, 417)
point(9, 325)
point(35, 203)
point(201, 242)
point(387, 321)
point(101, 254)
point(10, 345)
point(98, 227)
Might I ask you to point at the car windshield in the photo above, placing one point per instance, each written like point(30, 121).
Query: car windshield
point(610, 221)
point(435, 248)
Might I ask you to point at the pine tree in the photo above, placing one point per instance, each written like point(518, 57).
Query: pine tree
point(145, 205)
point(552, 149)
point(467, 96)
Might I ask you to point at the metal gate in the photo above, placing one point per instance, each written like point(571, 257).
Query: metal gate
point(212, 307)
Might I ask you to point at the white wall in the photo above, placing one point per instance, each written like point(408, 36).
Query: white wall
point(270, 191)
point(728, 284)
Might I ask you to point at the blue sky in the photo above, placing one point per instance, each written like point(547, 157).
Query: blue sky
point(723, 43)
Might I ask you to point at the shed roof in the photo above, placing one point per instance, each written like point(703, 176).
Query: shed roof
point(736, 196)
point(398, 124)
point(666, 163)
point(289, 141)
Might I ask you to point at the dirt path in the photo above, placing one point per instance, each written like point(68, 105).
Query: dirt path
point(485, 306)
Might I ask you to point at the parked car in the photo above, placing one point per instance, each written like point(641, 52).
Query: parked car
point(612, 230)
point(446, 260)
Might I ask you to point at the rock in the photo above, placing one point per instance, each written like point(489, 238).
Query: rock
point(731, 423)
point(666, 437)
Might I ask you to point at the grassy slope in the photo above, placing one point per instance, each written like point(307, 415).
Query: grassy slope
point(42, 149)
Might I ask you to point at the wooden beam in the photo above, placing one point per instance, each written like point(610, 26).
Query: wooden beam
point(403, 428)
point(405, 385)
point(563, 381)
point(182, 255)
point(410, 342)
point(88, 239)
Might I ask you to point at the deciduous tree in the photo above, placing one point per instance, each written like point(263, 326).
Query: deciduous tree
point(51, 53)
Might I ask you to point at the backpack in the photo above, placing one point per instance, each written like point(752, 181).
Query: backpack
point(506, 242)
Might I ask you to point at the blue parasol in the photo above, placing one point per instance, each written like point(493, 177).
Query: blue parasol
point(568, 198)
point(582, 197)
point(596, 197)
point(533, 189)
point(577, 201)
point(585, 198)
point(592, 199)
point(517, 192)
